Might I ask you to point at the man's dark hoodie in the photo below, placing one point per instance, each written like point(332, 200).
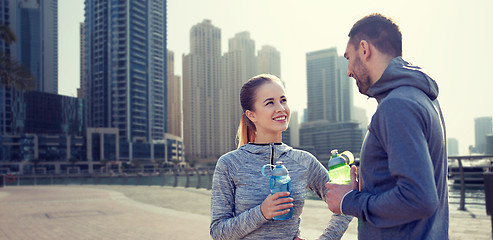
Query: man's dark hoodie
point(403, 163)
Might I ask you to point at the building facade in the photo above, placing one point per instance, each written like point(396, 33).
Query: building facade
point(452, 147)
point(328, 87)
point(269, 61)
point(175, 115)
point(325, 136)
point(482, 127)
point(47, 128)
point(241, 65)
point(125, 70)
point(205, 97)
point(82, 58)
point(329, 123)
point(35, 25)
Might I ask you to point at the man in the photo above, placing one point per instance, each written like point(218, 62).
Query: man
point(403, 167)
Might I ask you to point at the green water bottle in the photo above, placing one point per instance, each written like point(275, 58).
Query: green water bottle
point(339, 170)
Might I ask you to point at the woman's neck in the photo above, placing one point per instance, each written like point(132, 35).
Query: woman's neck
point(264, 138)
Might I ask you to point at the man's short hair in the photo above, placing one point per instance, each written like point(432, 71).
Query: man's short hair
point(380, 31)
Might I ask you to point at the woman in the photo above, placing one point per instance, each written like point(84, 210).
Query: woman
point(241, 204)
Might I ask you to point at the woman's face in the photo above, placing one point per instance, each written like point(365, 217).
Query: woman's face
point(271, 114)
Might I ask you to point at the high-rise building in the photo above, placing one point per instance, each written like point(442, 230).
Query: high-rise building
point(329, 89)
point(174, 98)
point(125, 70)
point(206, 97)
point(35, 25)
point(241, 65)
point(482, 127)
point(452, 146)
point(80, 90)
point(269, 61)
point(329, 122)
point(324, 136)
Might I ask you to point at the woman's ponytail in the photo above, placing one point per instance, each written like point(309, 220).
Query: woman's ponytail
point(246, 131)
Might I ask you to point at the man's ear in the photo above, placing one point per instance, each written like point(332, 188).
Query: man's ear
point(250, 115)
point(365, 50)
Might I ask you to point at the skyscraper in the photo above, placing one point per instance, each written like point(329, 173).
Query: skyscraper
point(452, 146)
point(329, 89)
point(80, 90)
point(125, 69)
point(174, 98)
point(241, 65)
point(35, 25)
point(329, 93)
point(482, 127)
point(206, 124)
point(269, 60)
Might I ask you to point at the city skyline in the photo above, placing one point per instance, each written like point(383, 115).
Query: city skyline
point(449, 39)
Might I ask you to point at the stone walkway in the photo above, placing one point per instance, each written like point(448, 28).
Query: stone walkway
point(143, 212)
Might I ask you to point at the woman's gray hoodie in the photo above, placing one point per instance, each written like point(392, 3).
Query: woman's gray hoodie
point(239, 188)
point(403, 165)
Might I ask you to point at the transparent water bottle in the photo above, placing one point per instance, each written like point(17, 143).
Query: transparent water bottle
point(280, 182)
point(339, 170)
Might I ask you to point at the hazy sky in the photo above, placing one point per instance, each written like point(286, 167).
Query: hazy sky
point(452, 40)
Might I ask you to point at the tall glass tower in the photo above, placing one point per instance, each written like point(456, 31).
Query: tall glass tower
point(125, 67)
point(329, 91)
point(35, 25)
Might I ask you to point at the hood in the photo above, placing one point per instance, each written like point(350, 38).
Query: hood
point(264, 150)
point(401, 73)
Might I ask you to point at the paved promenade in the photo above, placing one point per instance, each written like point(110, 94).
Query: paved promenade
point(143, 212)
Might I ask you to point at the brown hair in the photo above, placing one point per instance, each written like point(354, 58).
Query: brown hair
point(380, 31)
point(247, 130)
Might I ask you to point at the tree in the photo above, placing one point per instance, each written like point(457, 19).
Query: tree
point(12, 73)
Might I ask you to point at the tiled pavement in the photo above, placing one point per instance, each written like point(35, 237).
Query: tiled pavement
point(86, 212)
point(81, 213)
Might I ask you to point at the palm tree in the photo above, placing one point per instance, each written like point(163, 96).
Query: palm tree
point(12, 73)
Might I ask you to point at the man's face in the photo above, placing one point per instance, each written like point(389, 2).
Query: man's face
point(357, 69)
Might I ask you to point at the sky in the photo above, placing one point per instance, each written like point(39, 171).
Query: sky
point(451, 40)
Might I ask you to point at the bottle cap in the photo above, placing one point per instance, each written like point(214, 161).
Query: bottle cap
point(334, 153)
point(348, 157)
point(279, 170)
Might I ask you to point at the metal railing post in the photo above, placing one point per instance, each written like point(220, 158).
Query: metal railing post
point(188, 178)
point(198, 177)
point(462, 187)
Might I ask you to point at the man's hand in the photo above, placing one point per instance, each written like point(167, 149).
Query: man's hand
point(335, 192)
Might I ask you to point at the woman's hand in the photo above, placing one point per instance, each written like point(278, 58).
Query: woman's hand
point(273, 203)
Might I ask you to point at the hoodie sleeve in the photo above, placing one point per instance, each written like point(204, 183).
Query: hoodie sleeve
point(224, 223)
point(318, 176)
point(401, 129)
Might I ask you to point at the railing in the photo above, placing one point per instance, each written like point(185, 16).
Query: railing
point(188, 177)
point(460, 160)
